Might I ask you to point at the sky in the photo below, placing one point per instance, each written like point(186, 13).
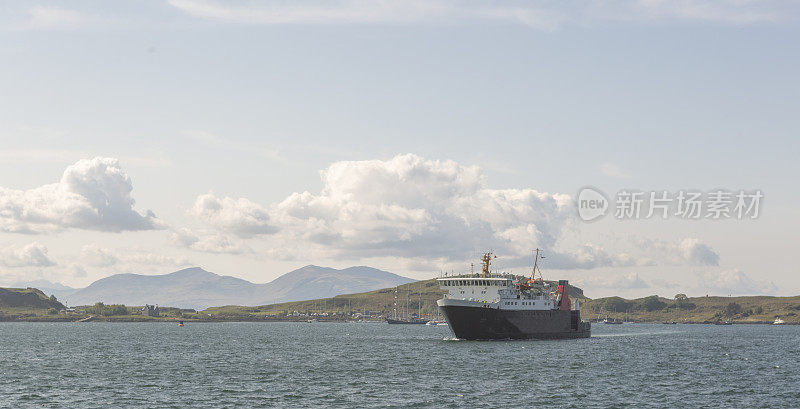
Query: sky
point(255, 137)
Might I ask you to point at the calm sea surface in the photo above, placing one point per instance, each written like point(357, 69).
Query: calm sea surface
point(311, 365)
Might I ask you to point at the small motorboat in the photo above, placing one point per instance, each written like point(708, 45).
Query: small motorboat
point(778, 321)
point(180, 323)
point(435, 323)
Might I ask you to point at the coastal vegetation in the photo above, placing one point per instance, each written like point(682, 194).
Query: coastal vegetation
point(680, 308)
point(27, 298)
point(33, 305)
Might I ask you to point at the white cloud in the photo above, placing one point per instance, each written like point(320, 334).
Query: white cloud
point(93, 194)
point(691, 251)
point(238, 216)
point(364, 11)
point(412, 207)
point(612, 170)
point(208, 242)
point(96, 256)
point(698, 253)
point(30, 255)
point(630, 281)
point(76, 270)
point(734, 282)
point(542, 15)
point(409, 207)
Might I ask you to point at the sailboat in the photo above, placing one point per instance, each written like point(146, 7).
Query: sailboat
point(403, 320)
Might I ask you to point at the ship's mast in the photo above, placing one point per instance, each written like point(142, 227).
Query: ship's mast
point(395, 303)
point(487, 261)
point(536, 265)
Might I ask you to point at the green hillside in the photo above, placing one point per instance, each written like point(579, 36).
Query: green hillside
point(418, 296)
point(27, 298)
point(753, 309)
point(28, 303)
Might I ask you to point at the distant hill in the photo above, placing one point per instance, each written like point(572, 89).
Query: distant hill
point(198, 289)
point(312, 282)
point(61, 291)
point(415, 296)
point(26, 298)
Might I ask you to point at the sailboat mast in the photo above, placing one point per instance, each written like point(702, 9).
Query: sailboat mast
point(419, 302)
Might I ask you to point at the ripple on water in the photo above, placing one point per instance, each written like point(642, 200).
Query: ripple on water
point(134, 365)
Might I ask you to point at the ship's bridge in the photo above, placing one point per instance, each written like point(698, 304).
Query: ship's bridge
point(476, 287)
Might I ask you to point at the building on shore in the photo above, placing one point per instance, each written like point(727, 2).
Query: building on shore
point(150, 310)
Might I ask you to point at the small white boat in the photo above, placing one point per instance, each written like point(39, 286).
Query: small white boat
point(435, 323)
point(778, 321)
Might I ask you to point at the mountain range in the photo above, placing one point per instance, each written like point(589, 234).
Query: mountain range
point(198, 289)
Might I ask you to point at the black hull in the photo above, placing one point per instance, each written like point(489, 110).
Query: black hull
point(480, 323)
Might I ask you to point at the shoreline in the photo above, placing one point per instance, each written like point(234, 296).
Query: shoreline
point(172, 320)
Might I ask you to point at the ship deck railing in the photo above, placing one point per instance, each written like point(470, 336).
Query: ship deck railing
point(478, 275)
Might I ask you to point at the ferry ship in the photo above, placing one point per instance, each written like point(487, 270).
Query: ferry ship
point(488, 306)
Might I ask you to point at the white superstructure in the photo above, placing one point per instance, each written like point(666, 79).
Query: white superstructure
point(502, 291)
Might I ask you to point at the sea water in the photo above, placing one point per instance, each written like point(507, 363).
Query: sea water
point(350, 365)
